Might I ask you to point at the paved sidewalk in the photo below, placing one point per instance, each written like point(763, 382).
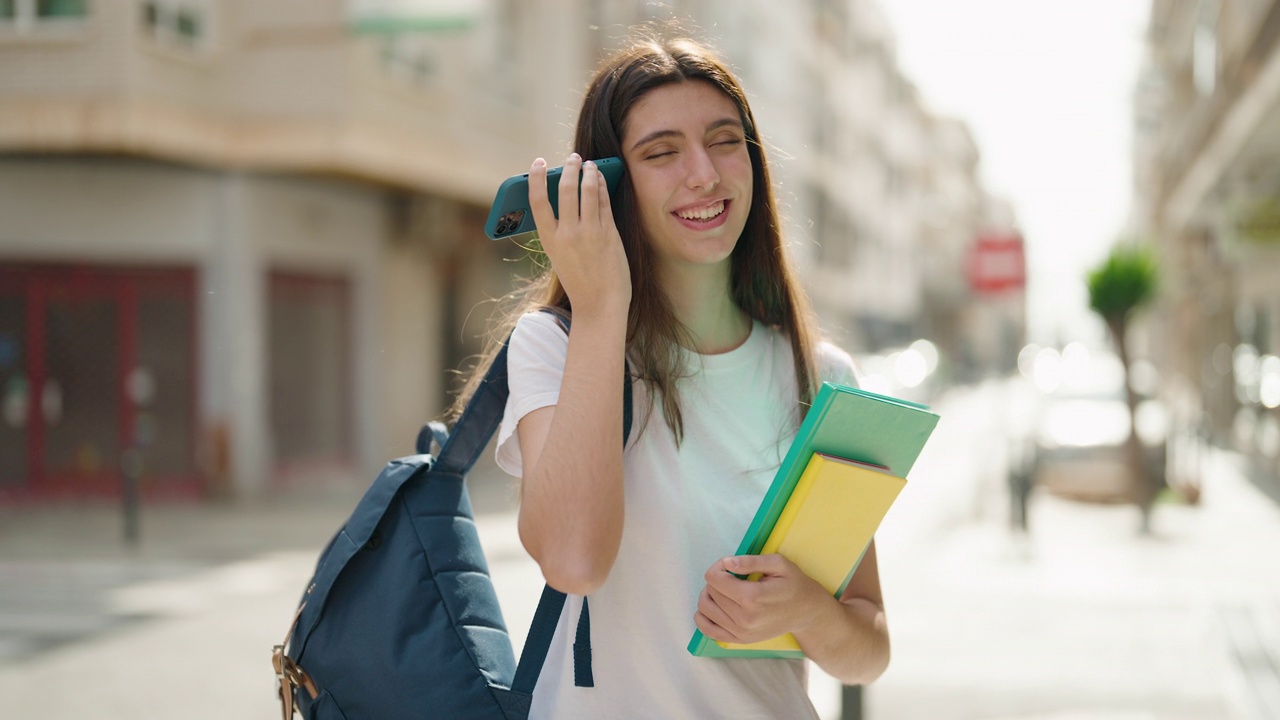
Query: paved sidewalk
point(1081, 620)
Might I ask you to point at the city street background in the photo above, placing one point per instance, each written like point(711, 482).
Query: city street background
point(1079, 619)
point(242, 260)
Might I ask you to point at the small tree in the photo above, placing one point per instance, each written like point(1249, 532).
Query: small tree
point(1123, 283)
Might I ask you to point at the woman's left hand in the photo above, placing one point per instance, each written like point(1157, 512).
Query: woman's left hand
point(734, 610)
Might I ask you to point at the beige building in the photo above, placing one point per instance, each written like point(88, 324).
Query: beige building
point(242, 241)
point(1207, 175)
point(239, 238)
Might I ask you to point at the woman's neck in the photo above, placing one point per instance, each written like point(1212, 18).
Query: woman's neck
point(702, 302)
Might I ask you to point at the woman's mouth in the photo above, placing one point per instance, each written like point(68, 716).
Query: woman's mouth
point(705, 216)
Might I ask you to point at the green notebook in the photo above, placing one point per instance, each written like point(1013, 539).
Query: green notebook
point(845, 422)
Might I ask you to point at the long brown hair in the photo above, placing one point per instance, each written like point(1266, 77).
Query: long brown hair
point(763, 282)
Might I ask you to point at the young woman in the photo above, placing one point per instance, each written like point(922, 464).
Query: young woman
point(685, 280)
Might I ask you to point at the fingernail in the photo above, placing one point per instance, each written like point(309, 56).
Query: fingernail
point(588, 165)
point(731, 563)
point(539, 163)
point(575, 156)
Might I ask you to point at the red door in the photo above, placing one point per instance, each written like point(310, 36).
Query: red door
point(97, 371)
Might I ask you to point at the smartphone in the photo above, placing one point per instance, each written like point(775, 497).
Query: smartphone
point(510, 217)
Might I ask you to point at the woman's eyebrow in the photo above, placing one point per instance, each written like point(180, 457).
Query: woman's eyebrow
point(656, 135)
point(660, 134)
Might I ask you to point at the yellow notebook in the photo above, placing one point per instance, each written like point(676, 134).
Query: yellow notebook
point(827, 525)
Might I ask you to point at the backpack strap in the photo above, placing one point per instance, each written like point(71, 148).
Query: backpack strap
point(433, 430)
point(478, 421)
point(582, 675)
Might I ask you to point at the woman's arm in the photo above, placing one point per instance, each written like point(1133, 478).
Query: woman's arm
point(848, 638)
point(571, 494)
point(571, 505)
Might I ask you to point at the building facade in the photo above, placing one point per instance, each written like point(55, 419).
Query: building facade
point(242, 246)
point(1207, 191)
point(240, 239)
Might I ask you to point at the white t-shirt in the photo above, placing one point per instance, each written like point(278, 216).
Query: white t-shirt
point(685, 509)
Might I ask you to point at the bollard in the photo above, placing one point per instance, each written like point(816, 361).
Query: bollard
point(1019, 492)
point(131, 470)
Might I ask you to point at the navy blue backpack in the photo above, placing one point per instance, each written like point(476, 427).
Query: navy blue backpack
point(400, 620)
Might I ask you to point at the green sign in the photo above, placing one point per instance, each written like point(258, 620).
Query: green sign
point(393, 17)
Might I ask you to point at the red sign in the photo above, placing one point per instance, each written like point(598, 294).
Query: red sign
point(997, 264)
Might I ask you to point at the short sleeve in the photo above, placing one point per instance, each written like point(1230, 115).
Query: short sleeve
point(836, 365)
point(535, 368)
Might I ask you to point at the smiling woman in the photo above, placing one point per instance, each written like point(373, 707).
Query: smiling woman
point(682, 280)
point(691, 174)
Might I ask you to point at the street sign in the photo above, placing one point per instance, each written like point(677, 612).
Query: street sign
point(997, 264)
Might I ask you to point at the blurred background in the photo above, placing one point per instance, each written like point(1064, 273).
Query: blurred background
point(242, 260)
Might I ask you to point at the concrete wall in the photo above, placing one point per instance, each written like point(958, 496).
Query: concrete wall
point(78, 210)
point(409, 355)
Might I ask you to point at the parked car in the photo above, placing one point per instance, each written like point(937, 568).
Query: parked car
point(1081, 435)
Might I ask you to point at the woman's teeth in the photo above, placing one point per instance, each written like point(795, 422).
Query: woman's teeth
point(705, 213)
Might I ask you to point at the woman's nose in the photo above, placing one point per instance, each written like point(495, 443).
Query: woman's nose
point(702, 171)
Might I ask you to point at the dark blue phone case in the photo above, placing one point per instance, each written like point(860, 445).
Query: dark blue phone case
point(510, 217)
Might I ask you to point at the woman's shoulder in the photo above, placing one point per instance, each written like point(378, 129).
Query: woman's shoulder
point(541, 323)
point(538, 333)
point(835, 365)
point(832, 362)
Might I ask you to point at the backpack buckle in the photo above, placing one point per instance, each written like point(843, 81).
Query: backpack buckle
point(289, 678)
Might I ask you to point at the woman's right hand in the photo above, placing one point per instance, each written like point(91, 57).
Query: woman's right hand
point(583, 245)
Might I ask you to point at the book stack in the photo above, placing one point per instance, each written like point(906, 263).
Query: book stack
point(847, 465)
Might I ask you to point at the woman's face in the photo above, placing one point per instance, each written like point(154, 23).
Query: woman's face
point(686, 153)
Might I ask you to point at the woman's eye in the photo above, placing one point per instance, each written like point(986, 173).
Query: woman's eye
point(659, 154)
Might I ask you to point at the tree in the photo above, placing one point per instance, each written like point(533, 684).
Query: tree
point(1122, 284)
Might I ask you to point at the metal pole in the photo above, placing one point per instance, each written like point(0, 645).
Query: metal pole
point(851, 702)
point(131, 465)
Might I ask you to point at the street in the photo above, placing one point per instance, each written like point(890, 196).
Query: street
point(1079, 619)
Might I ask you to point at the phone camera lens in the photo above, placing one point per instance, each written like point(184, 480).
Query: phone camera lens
point(510, 222)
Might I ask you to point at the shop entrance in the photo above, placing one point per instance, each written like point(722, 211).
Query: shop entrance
point(97, 373)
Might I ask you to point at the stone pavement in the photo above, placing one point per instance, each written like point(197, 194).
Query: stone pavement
point(1081, 619)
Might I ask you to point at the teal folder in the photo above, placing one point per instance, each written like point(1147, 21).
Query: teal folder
point(845, 422)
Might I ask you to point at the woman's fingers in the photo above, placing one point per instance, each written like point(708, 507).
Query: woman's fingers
point(590, 205)
point(605, 204)
point(543, 216)
point(728, 604)
point(714, 616)
point(583, 245)
point(569, 179)
point(712, 630)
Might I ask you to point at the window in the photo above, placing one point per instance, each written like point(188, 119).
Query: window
point(182, 23)
point(40, 16)
point(408, 57)
point(61, 8)
point(503, 75)
point(1204, 49)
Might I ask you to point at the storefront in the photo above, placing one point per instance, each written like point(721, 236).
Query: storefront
point(98, 373)
point(213, 334)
